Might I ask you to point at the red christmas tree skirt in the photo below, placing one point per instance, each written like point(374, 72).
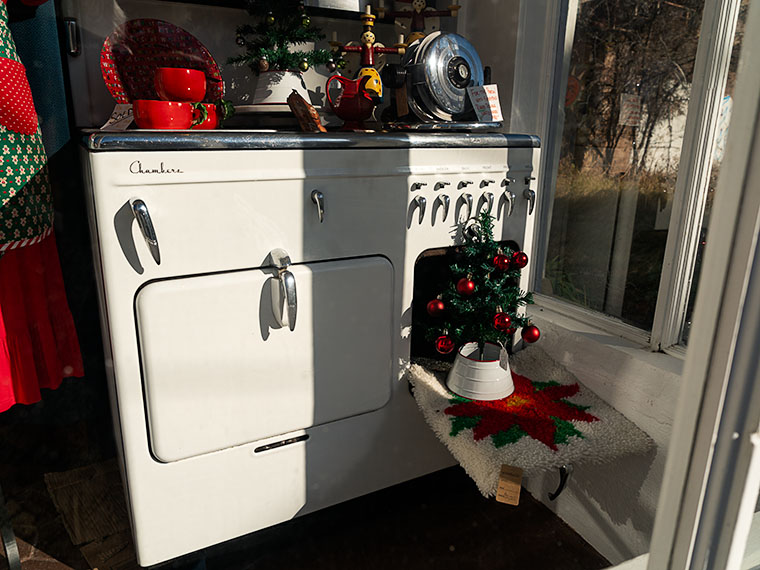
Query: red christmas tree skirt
point(550, 420)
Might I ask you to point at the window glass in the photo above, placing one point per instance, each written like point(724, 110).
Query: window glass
point(720, 144)
point(625, 112)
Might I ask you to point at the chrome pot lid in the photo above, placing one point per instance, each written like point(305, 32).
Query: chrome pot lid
point(441, 66)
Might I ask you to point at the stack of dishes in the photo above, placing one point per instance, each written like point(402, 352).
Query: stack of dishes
point(170, 78)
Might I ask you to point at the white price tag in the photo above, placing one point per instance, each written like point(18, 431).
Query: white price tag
point(120, 119)
point(485, 100)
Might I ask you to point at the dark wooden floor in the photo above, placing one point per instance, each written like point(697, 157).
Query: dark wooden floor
point(437, 522)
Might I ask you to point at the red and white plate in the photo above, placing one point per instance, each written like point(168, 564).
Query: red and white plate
point(134, 50)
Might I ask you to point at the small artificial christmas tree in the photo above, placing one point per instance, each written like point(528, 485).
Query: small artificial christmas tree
point(481, 302)
point(280, 25)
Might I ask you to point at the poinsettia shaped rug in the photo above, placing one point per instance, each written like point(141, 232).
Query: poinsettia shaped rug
point(549, 420)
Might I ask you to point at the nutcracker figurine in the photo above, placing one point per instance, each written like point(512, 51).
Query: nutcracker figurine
point(367, 49)
point(417, 15)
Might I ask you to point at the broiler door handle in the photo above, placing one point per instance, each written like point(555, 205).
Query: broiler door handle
point(284, 301)
point(142, 216)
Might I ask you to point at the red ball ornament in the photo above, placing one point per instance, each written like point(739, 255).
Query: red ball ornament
point(435, 307)
point(531, 333)
point(502, 262)
point(465, 286)
point(502, 322)
point(444, 344)
point(519, 259)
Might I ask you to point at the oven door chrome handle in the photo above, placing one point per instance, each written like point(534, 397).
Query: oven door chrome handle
point(288, 293)
point(284, 300)
point(142, 216)
point(530, 196)
point(319, 199)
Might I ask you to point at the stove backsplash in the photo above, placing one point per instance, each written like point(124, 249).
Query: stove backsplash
point(214, 27)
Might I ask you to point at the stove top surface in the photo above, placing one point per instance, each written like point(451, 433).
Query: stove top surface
point(148, 140)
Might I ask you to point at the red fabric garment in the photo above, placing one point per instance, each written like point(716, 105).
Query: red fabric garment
point(38, 341)
point(17, 111)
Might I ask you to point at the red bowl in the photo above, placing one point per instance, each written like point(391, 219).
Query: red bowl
point(212, 118)
point(151, 114)
point(180, 84)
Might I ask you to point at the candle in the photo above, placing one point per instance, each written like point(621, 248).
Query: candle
point(335, 36)
point(368, 10)
point(381, 3)
point(401, 38)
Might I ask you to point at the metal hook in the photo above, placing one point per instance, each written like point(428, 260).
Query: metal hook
point(564, 475)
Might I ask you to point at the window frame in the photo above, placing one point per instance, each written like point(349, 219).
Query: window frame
point(717, 31)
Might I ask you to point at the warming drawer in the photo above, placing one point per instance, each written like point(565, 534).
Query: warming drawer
point(219, 370)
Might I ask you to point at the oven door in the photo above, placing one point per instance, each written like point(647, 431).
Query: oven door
point(219, 370)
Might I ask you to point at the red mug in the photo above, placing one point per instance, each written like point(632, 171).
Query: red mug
point(211, 121)
point(180, 84)
point(151, 114)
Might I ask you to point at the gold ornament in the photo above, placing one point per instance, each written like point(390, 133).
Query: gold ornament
point(304, 65)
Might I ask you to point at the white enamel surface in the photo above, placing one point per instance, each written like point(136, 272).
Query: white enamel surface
point(217, 215)
point(211, 348)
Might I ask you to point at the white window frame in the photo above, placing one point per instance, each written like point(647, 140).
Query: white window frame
point(712, 474)
point(710, 73)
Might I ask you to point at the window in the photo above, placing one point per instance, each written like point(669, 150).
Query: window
point(640, 110)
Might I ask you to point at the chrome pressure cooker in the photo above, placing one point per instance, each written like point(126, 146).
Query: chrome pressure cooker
point(437, 71)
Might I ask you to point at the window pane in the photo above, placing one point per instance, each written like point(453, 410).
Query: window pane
point(630, 78)
point(725, 116)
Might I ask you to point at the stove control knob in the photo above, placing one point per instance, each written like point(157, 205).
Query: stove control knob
point(319, 200)
point(465, 183)
point(467, 199)
point(530, 196)
point(509, 198)
point(421, 203)
point(445, 202)
point(439, 185)
point(484, 183)
point(486, 198)
point(418, 185)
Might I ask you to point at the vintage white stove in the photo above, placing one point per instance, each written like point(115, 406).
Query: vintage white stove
point(256, 294)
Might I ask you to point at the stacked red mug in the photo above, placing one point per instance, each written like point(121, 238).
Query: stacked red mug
point(181, 92)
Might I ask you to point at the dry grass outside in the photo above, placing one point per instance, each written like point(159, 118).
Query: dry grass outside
point(583, 234)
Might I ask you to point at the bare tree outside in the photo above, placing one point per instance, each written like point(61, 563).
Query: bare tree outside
point(631, 72)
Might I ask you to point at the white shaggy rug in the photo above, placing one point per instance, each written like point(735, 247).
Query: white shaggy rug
point(549, 421)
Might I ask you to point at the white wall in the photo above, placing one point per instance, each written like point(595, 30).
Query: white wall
point(491, 27)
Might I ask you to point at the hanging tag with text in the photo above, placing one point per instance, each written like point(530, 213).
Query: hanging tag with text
point(510, 480)
point(120, 119)
point(485, 101)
